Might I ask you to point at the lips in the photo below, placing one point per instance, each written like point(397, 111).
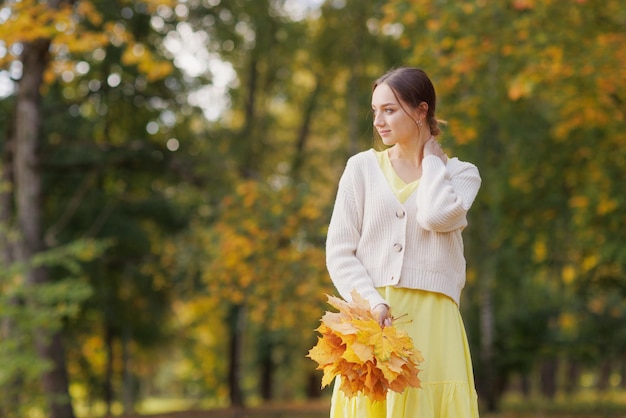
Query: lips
point(384, 132)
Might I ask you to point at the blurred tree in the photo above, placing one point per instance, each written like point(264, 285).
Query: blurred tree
point(104, 86)
point(125, 155)
point(525, 105)
point(29, 313)
point(259, 265)
point(72, 163)
point(275, 131)
point(27, 185)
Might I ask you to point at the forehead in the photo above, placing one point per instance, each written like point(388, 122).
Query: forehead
point(383, 95)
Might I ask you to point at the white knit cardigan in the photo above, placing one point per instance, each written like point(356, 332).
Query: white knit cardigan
point(374, 240)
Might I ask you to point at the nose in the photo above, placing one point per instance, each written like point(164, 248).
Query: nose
point(378, 120)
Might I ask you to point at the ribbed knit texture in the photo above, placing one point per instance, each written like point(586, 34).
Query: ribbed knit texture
point(374, 240)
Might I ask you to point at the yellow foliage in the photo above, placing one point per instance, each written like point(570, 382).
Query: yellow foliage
point(577, 202)
point(596, 305)
point(30, 20)
point(520, 87)
point(568, 274)
point(567, 322)
point(519, 180)
point(433, 24)
point(93, 348)
point(589, 262)
point(606, 205)
point(540, 250)
point(468, 8)
point(237, 297)
point(523, 4)
point(152, 5)
point(507, 50)
point(261, 250)
point(82, 42)
point(461, 132)
point(87, 10)
point(258, 252)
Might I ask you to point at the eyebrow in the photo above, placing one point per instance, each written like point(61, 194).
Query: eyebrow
point(386, 104)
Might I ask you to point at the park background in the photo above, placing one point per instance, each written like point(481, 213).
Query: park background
point(169, 167)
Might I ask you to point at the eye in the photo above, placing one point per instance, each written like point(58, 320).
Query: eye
point(386, 110)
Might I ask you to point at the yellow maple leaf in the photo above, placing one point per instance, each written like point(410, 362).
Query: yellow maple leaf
point(391, 368)
point(358, 353)
point(369, 358)
point(329, 375)
point(357, 308)
point(322, 352)
point(339, 323)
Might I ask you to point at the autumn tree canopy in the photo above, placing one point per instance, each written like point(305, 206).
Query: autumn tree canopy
point(169, 168)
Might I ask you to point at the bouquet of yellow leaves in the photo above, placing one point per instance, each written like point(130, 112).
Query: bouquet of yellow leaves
point(369, 358)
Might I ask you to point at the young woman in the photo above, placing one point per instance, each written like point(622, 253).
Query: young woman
point(395, 237)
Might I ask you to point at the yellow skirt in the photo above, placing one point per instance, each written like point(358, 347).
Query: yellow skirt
point(434, 322)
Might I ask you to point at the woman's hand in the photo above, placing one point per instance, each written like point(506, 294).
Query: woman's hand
point(382, 314)
point(432, 147)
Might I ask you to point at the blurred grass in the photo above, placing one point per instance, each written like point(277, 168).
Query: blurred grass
point(587, 406)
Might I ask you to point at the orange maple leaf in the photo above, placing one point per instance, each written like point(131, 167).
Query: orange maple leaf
point(369, 358)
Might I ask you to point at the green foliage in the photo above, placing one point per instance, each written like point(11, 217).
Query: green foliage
point(30, 314)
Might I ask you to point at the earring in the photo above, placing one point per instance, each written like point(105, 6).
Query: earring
point(419, 123)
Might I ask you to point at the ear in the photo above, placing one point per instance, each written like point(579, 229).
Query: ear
point(420, 112)
point(423, 109)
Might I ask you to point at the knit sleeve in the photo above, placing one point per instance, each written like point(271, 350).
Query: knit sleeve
point(344, 232)
point(446, 193)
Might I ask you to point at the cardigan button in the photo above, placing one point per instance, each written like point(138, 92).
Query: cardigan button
point(397, 247)
point(400, 213)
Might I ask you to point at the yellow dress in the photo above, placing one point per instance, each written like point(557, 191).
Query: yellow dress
point(434, 323)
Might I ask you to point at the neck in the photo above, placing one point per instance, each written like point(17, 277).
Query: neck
point(412, 151)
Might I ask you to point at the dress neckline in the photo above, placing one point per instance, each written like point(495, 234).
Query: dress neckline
point(401, 190)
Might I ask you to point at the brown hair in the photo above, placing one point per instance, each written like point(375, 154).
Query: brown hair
point(414, 87)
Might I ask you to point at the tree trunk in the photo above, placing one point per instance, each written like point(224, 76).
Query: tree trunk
point(352, 101)
point(6, 200)
point(355, 19)
point(237, 324)
point(305, 127)
point(486, 344)
point(249, 163)
point(10, 391)
point(604, 375)
point(573, 374)
point(108, 371)
point(549, 369)
point(128, 391)
point(486, 373)
point(622, 383)
point(28, 209)
point(313, 386)
point(525, 387)
point(267, 373)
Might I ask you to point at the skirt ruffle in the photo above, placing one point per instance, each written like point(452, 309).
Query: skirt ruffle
point(434, 323)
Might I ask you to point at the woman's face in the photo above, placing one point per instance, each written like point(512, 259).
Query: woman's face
point(391, 121)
